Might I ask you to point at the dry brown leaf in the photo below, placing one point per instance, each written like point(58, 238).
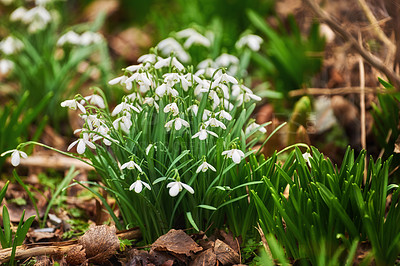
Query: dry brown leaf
point(178, 242)
point(205, 258)
point(100, 243)
point(225, 254)
point(76, 255)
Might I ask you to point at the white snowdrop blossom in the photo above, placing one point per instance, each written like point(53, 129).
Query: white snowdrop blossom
point(73, 104)
point(138, 186)
point(243, 94)
point(11, 45)
point(224, 114)
point(131, 165)
point(15, 156)
point(147, 58)
point(121, 80)
point(148, 148)
point(177, 186)
point(235, 154)
point(124, 123)
point(142, 79)
point(151, 102)
point(90, 37)
point(164, 89)
point(37, 18)
point(224, 60)
point(124, 107)
point(223, 78)
point(94, 100)
point(170, 61)
point(193, 37)
point(252, 41)
point(18, 14)
point(194, 108)
point(134, 68)
point(213, 122)
point(171, 107)
point(204, 167)
point(178, 122)
point(170, 45)
point(6, 66)
point(82, 143)
point(203, 133)
point(250, 128)
point(307, 157)
point(71, 37)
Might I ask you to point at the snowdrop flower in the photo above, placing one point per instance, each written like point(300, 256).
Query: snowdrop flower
point(243, 94)
point(235, 154)
point(121, 80)
point(307, 157)
point(18, 14)
point(148, 148)
point(252, 41)
point(204, 167)
point(11, 45)
point(124, 123)
point(213, 122)
point(134, 68)
point(203, 133)
point(82, 143)
point(124, 107)
point(169, 45)
point(225, 60)
point(194, 108)
point(151, 101)
point(37, 18)
point(206, 114)
point(165, 89)
point(224, 114)
point(70, 37)
point(94, 100)
point(206, 63)
point(178, 122)
point(196, 38)
point(141, 79)
point(131, 165)
point(138, 186)
point(15, 156)
point(223, 78)
point(6, 66)
point(169, 61)
point(90, 37)
point(147, 58)
point(171, 107)
point(177, 186)
point(250, 128)
point(73, 104)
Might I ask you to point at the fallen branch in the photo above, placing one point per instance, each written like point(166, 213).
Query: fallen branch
point(370, 58)
point(55, 248)
point(336, 91)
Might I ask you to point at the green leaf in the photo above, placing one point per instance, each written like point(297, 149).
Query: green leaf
point(207, 207)
point(191, 221)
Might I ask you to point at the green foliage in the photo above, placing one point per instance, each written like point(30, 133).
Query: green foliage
point(8, 238)
point(328, 210)
point(15, 120)
point(289, 60)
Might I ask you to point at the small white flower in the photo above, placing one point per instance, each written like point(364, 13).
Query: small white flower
point(82, 143)
point(15, 156)
point(138, 186)
point(252, 41)
point(196, 38)
point(121, 80)
point(204, 167)
point(147, 58)
point(134, 68)
point(11, 45)
point(149, 148)
point(171, 107)
point(307, 157)
point(169, 61)
point(70, 37)
point(169, 45)
point(224, 60)
point(177, 186)
point(6, 66)
point(243, 94)
point(124, 107)
point(73, 104)
point(235, 154)
point(37, 18)
point(203, 133)
point(131, 165)
point(223, 78)
point(224, 114)
point(95, 100)
point(18, 13)
point(213, 122)
point(178, 122)
point(194, 108)
point(165, 89)
point(124, 123)
point(206, 64)
point(253, 126)
point(90, 37)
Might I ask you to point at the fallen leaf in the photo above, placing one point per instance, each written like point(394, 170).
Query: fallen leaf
point(205, 258)
point(178, 242)
point(225, 254)
point(76, 255)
